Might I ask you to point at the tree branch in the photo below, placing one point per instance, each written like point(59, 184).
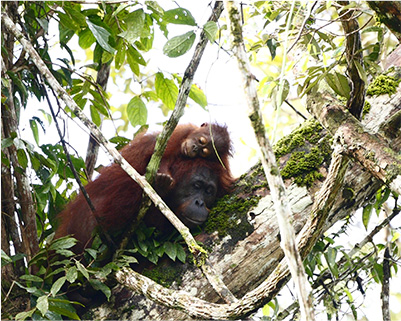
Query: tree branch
point(370, 150)
point(385, 294)
point(354, 56)
point(389, 13)
point(27, 226)
point(92, 151)
point(269, 163)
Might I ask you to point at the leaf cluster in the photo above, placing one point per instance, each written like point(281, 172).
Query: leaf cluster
point(339, 274)
point(58, 272)
point(148, 244)
point(321, 59)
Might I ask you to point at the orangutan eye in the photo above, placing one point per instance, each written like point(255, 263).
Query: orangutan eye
point(206, 151)
point(202, 140)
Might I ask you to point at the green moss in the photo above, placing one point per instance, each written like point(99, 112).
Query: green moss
point(310, 132)
point(225, 214)
point(164, 275)
point(303, 167)
point(366, 108)
point(383, 85)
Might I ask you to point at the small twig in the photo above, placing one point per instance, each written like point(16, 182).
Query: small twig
point(302, 27)
point(67, 154)
point(294, 109)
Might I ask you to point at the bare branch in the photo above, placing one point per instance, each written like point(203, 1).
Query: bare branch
point(270, 167)
point(385, 295)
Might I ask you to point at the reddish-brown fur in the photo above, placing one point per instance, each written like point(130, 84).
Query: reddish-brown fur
point(116, 197)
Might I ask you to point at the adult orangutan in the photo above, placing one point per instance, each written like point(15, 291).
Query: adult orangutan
point(194, 171)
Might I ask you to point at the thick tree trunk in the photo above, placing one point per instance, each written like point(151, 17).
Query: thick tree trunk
point(245, 243)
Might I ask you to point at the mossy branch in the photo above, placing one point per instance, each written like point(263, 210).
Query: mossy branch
point(370, 150)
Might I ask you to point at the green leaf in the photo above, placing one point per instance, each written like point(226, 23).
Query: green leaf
point(66, 253)
point(210, 29)
point(136, 56)
point(42, 304)
point(92, 252)
point(5, 259)
point(272, 44)
point(170, 250)
point(64, 307)
point(86, 38)
point(82, 269)
point(76, 15)
point(198, 96)
point(179, 45)
point(22, 158)
point(137, 112)
point(181, 255)
point(330, 256)
point(72, 274)
point(67, 22)
point(98, 285)
point(366, 214)
point(63, 243)
point(339, 84)
point(166, 90)
point(35, 131)
point(80, 100)
point(95, 116)
point(30, 289)
point(120, 141)
point(7, 142)
point(179, 16)
point(57, 285)
point(377, 272)
point(361, 71)
point(30, 277)
point(43, 23)
point(135, 22)
point(349, 294)
point(102, 36)
point(120, 55)
point(284, 94)
point(133, 64)
point(24, 315)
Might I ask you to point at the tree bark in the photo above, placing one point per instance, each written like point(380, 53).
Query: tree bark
point(27, 224)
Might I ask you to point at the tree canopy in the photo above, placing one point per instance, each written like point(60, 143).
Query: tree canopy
point(320, 80)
